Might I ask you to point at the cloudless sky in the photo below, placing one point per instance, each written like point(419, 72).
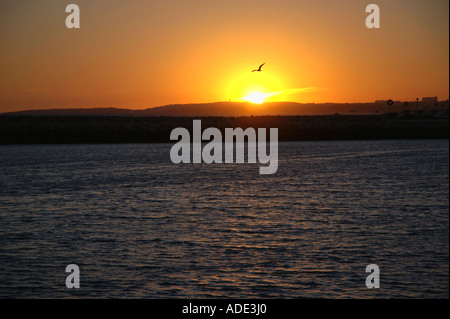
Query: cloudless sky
point(143, 53)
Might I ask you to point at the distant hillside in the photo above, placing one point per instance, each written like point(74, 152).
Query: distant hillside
point(238, 109)
point(248, 109)
point(231, 109)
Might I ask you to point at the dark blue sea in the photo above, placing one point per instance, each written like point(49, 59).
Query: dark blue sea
point(139, 226)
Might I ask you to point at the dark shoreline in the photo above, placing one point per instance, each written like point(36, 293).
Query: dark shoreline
point(116, 129)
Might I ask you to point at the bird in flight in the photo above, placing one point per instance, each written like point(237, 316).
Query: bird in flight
point(259, 69)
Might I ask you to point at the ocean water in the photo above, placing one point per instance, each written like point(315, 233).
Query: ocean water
point(139, 226)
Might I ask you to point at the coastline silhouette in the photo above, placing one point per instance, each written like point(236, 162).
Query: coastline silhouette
point(54, 129)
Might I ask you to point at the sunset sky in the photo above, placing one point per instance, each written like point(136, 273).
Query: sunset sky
point(142, 53)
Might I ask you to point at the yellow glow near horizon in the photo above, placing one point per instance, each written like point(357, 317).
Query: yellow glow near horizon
point(254, 86)
point(255, 97)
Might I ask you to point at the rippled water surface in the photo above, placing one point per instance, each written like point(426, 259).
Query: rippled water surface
point(139, 226)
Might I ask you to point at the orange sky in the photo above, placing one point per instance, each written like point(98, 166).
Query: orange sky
point(142, 53)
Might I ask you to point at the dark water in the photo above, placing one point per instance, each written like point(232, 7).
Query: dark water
point(139, 226)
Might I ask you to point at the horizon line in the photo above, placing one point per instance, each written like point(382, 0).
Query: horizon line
point(205, 103)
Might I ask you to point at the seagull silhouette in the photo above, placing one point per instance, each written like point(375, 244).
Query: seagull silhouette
point(259, 69)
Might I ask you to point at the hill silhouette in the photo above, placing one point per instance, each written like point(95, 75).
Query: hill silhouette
point(296, 122)
point(230, 109)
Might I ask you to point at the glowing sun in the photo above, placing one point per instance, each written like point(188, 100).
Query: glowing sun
point(255, 97)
